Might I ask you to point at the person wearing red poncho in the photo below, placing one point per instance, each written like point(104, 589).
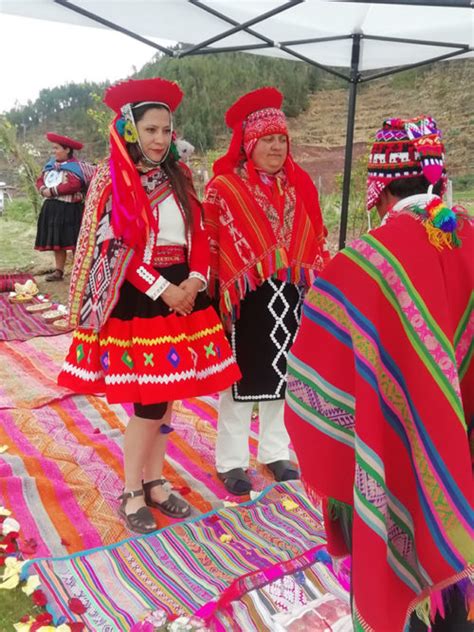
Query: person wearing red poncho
point(267, 244)
point(63, 183)
point(145, 329)
point(380, 422)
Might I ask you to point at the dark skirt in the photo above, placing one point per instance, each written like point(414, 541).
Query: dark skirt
point(135, 304)
point(58, 225)
point(146, 354)
point(261, 338)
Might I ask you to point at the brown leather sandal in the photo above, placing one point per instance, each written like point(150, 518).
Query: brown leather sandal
point(141, 521)
point(174, 506)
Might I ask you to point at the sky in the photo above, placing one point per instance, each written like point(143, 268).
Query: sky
point(37, 54)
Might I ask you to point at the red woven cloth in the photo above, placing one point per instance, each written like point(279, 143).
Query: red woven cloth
point(251, 241)
point(379, 401)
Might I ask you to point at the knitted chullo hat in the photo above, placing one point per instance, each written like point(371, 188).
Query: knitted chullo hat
point(405, 149)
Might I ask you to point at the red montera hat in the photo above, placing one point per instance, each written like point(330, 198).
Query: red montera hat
point(248, 126)
point(156, 90)
point(252, 102)
point(64, 140)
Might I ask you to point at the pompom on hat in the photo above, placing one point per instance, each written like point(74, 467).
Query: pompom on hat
point(64, 140)
point(405, 148)
point(156, 90)
point(255, 114)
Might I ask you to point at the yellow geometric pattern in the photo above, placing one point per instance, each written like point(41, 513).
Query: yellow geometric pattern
point(150, 342)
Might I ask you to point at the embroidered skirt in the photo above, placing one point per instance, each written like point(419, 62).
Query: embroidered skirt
point(147, 354)
point(261, 338)
point(58, 225)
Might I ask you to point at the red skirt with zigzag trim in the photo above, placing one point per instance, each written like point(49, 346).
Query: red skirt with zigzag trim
point(155, 357)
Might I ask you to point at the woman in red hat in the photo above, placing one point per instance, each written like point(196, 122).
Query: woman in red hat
point(145, 330)
point(63, 183)
point(267, 244)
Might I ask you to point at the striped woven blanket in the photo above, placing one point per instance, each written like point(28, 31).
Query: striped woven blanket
point(200, 566)
point(16, 323)
point(28, 371)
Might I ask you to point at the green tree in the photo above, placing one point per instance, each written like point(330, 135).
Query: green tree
point(23, 155)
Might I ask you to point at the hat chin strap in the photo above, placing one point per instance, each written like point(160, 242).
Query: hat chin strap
point(149, 161)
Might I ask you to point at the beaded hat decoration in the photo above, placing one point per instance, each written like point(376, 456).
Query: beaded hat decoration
point(405, 148)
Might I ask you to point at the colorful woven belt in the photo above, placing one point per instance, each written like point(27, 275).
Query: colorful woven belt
point(164, 256)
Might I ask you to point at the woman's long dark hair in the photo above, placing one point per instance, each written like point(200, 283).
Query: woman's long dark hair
point(179, 181)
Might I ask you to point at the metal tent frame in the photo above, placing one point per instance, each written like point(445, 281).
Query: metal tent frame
point(353, 78)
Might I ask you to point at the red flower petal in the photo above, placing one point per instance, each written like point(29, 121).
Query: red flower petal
point(45, 618)
point(76, 606)
point(25, 618)
point(184, 491)
point(39, 598)
point(28, 547)
point(76, 626)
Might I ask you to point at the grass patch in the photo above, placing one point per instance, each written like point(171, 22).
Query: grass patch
point(20, 210)
point(14, 604)
point(17, 254)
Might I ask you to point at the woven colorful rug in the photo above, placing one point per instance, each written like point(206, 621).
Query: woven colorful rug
point(62, 471)
point(16, 323)
point(28, 371)
point(199, 566)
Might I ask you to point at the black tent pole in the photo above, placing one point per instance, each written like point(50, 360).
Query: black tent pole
point(346, 184)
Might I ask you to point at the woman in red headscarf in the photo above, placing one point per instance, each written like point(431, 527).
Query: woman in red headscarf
point(267, 243)
point(63, 183)
point(146, 332)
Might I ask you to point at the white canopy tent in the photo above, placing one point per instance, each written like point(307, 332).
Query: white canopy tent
point(355, 40)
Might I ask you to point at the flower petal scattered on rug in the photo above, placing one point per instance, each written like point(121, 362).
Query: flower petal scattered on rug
point(76, 606)
point(10, 525)
point(31, 585)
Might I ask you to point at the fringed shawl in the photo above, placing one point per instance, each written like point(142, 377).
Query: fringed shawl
point(249, 243)
point(379, 398)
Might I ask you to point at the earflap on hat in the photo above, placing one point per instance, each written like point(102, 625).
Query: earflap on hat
point(233, 156)
point(426, 137)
